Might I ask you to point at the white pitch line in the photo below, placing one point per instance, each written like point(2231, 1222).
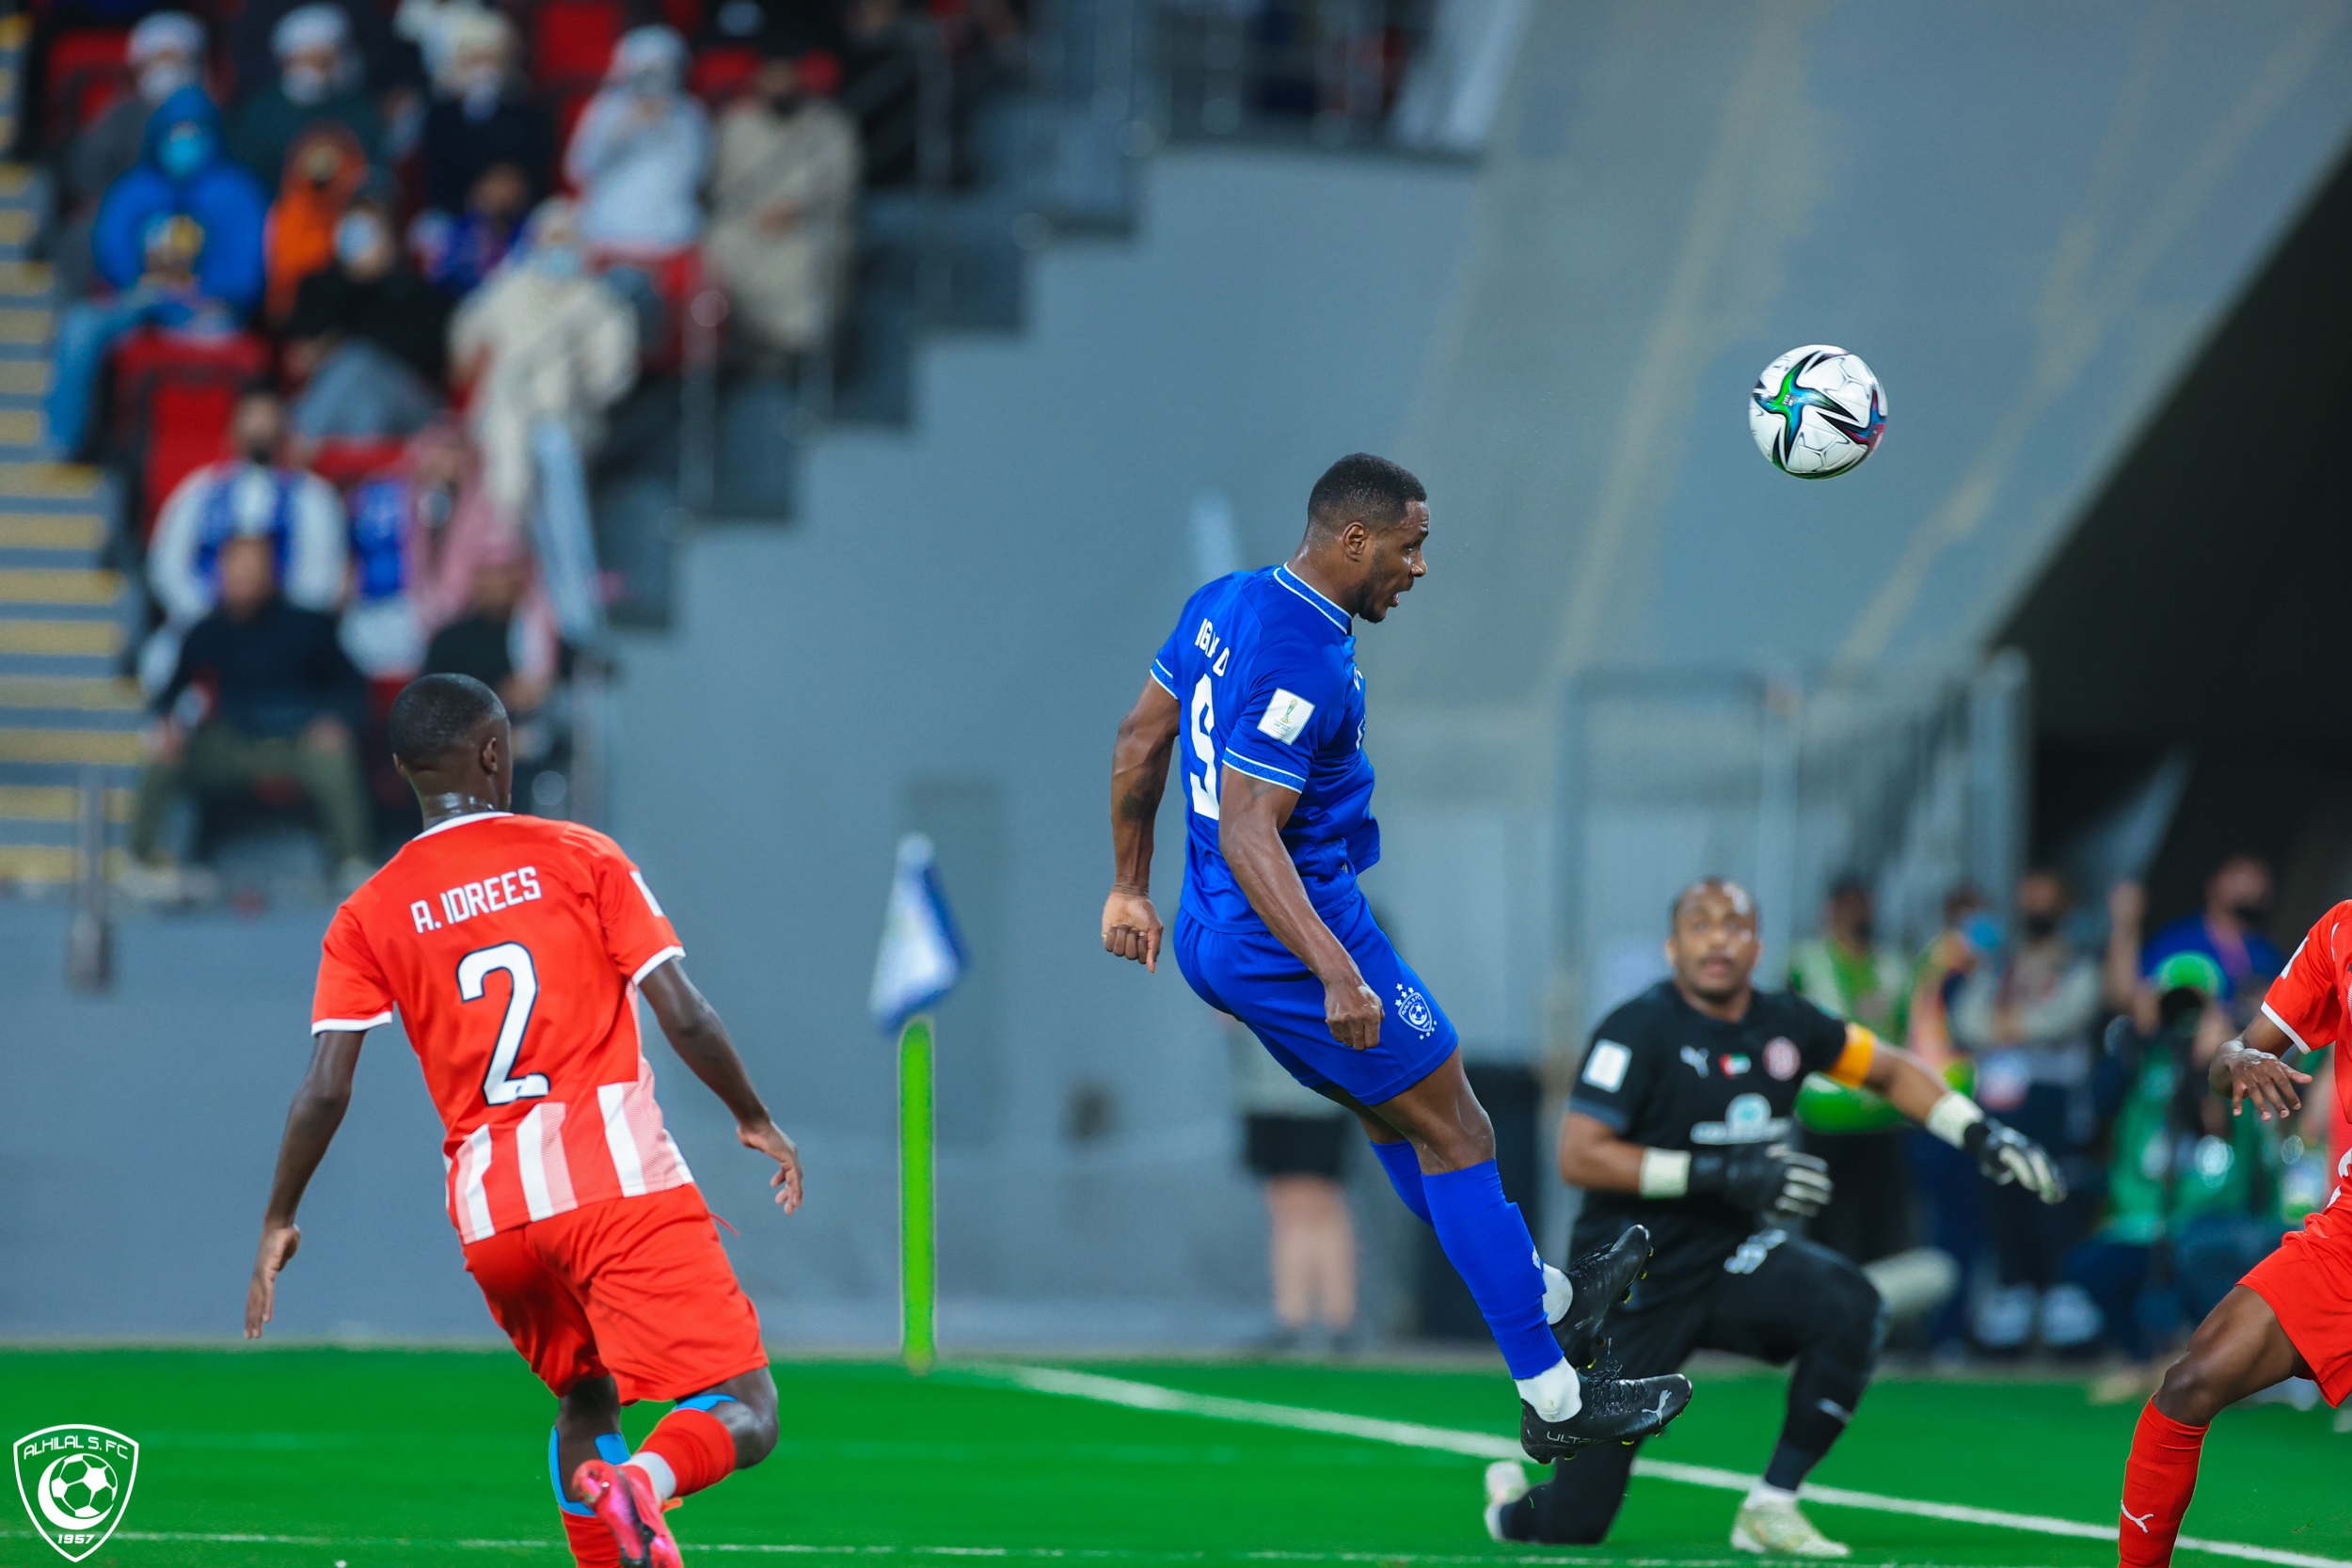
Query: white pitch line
point(1150, 1396)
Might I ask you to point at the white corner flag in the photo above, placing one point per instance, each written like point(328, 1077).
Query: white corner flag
point(922, 955)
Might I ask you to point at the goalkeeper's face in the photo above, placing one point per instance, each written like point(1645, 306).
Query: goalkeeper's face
point(1714, 945)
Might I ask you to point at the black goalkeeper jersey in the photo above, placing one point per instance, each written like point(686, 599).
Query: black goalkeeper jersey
point(1661, 1073)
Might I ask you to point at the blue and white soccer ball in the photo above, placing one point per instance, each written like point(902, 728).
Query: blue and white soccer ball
point(83, 1488)
point(1816, 412)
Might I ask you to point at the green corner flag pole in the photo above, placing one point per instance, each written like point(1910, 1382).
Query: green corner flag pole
point(918, 1277)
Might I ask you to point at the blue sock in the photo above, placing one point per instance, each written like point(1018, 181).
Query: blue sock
point(1404, 1168)
point(610, 1447)
point(1487, 1243)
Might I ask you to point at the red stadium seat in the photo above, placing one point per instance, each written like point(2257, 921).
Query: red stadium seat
point(721, 72)
point(173, 395)
point(571, 42)
point(84, 75)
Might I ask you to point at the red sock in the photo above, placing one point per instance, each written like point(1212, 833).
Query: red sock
point(697, 1446)
point(2157, 1484)
point(591, 1543)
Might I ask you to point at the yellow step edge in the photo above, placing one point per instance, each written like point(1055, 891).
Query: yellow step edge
point(19, 278)
point(16, 224)
point(16, 31)
point(48, 480)
point(51, 862)
point(58, 585)
point(22, 427)
point(57, 803)
point(24, 378)
point(63, 530)
point(23, 326)
point(114, 748)
point(92, 693)
point(78, 638)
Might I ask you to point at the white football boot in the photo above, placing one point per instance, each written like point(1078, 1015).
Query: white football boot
point(1777, 1527)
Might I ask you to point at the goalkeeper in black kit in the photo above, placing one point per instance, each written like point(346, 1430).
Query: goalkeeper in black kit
point(1681, 1120)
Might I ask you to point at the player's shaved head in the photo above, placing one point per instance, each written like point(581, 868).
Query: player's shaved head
point(1711, 945)
point(1722, 887)
point(437, 719)
point(1361, 488)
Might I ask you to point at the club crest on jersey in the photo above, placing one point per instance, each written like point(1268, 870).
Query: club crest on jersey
point(1414, 1008)
point(76, 1482)
point(1781, 1059)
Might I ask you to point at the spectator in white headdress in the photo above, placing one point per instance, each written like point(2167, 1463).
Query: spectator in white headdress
point(640, 152)
point(318, 79)
point(166, 53)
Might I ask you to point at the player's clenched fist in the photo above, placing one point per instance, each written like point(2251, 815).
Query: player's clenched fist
point(1353, 1010)
point(1131, 928)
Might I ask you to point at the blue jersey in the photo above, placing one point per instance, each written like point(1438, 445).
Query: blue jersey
point(1264, 671)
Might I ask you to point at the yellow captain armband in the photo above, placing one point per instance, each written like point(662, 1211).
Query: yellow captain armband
point(1852, 1067)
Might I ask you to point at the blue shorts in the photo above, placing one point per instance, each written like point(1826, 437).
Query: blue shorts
point(1251, 975)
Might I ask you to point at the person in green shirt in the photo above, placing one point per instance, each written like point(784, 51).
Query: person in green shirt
point(2195, 1196)
point(1845, 970)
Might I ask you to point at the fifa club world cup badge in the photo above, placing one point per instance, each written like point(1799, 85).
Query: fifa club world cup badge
point(76, 1482)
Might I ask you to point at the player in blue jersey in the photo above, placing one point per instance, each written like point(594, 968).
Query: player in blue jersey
point(1258, 693)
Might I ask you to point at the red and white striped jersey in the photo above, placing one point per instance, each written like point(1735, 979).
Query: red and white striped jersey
point(511, 947)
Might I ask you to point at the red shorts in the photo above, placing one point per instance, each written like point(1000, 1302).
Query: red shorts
point(2308, 1283)
point(635, 1287)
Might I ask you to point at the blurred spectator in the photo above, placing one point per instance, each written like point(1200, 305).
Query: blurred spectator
point(380, 60)
point(1950, 1189)
point(506, 639)
point(2025, 1017)
point(454, 252)
point(1295, 1142)
point(640, 152)
point(429, 26)
point(318, 80)
point(2193, 1192)
point(882, 69)
point(783, 195)
point(1846, 971)
point(325, 173)
point(480, 120)
point(166, 53)
point(418, 536)
point(297, 514)
point(543, 338)
point(280, 700)
point(2228, 932)
point(179, 238)
point(370, 336)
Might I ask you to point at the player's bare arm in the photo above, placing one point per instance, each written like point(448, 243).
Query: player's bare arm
point(696, 1032)
point(2252, 1069)
point(1139, 763)
point(317, 1111)
point(1249, 835)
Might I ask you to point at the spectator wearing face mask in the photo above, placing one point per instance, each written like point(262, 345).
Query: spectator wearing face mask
point(251, 494)
point(325, 173)
point(166, 53)
point(368, 335)
point(178, 239)
point(455, 251)
point(543, 338)
point(318, 81)
point(2025, 1015)
point(640, 152)
point(415, 534)
point(784, 199)
point(2228, 930)
point(382, 60)
point(480, 119)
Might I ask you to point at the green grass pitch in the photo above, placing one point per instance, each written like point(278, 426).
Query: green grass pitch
point(425, 1458)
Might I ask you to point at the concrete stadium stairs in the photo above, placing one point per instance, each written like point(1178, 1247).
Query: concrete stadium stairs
point(67, 713)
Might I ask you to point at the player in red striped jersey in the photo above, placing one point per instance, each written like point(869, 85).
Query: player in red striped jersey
point(513, 950)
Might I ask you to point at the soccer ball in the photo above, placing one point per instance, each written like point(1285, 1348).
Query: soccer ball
point(1816, 411)
point(82, 1487)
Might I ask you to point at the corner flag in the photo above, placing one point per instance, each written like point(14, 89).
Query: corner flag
point(921, 959)
point(922, 956)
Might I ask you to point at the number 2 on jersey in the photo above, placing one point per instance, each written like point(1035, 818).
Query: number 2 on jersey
point(497, 1087)
point(1202, 727)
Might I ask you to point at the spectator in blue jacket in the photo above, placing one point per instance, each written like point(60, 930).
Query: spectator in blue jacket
point(179, 240)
